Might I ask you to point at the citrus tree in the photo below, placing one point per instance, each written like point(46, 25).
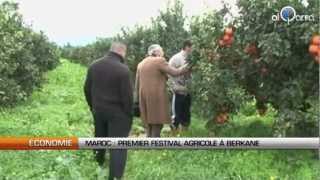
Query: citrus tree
point(167, 29)
point(281, 72)
point(137, 40)
point(24, 56)
point(85, 55)
point(269, 59)
point(216, 88)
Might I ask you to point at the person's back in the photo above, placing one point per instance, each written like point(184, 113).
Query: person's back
point(153, 76)
point(109, 94)
point(106, 75)
point(151, 80)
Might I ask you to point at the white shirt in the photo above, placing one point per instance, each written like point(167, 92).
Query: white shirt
point(179, 84)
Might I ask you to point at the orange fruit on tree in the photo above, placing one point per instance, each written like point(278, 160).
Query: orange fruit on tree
point(316, 40)
point(313, 49)
point(230, 41)
point(226, 38)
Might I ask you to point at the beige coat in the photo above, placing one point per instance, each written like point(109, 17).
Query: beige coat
point(151, 81)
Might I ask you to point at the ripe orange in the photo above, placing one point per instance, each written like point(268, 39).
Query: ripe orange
point(226, 38)
point(228, 31)
point(230, 41)
point(313, 49)
point(316, 40)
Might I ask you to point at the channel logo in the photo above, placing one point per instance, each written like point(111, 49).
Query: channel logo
point(288, 14)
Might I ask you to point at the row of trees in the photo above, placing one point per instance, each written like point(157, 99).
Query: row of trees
point(86, 54)
point(24, 56)
point(167, 29)
point(258, 59)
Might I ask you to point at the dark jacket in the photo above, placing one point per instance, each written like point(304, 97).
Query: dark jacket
point(108, 85)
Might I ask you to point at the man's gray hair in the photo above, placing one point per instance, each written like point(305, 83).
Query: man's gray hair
point(116, 46)
point(153, 48)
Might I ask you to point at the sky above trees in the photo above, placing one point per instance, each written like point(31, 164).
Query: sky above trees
point(80, 22)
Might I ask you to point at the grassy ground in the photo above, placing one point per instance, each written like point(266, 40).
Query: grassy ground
point(59, 109)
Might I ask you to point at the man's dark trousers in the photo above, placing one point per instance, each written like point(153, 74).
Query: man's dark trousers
point(111, 123)
point(181, 110)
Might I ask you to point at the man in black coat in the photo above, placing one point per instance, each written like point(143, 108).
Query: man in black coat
point(109, 94)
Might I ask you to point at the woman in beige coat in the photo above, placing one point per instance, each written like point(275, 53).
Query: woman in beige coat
point(151, 90)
